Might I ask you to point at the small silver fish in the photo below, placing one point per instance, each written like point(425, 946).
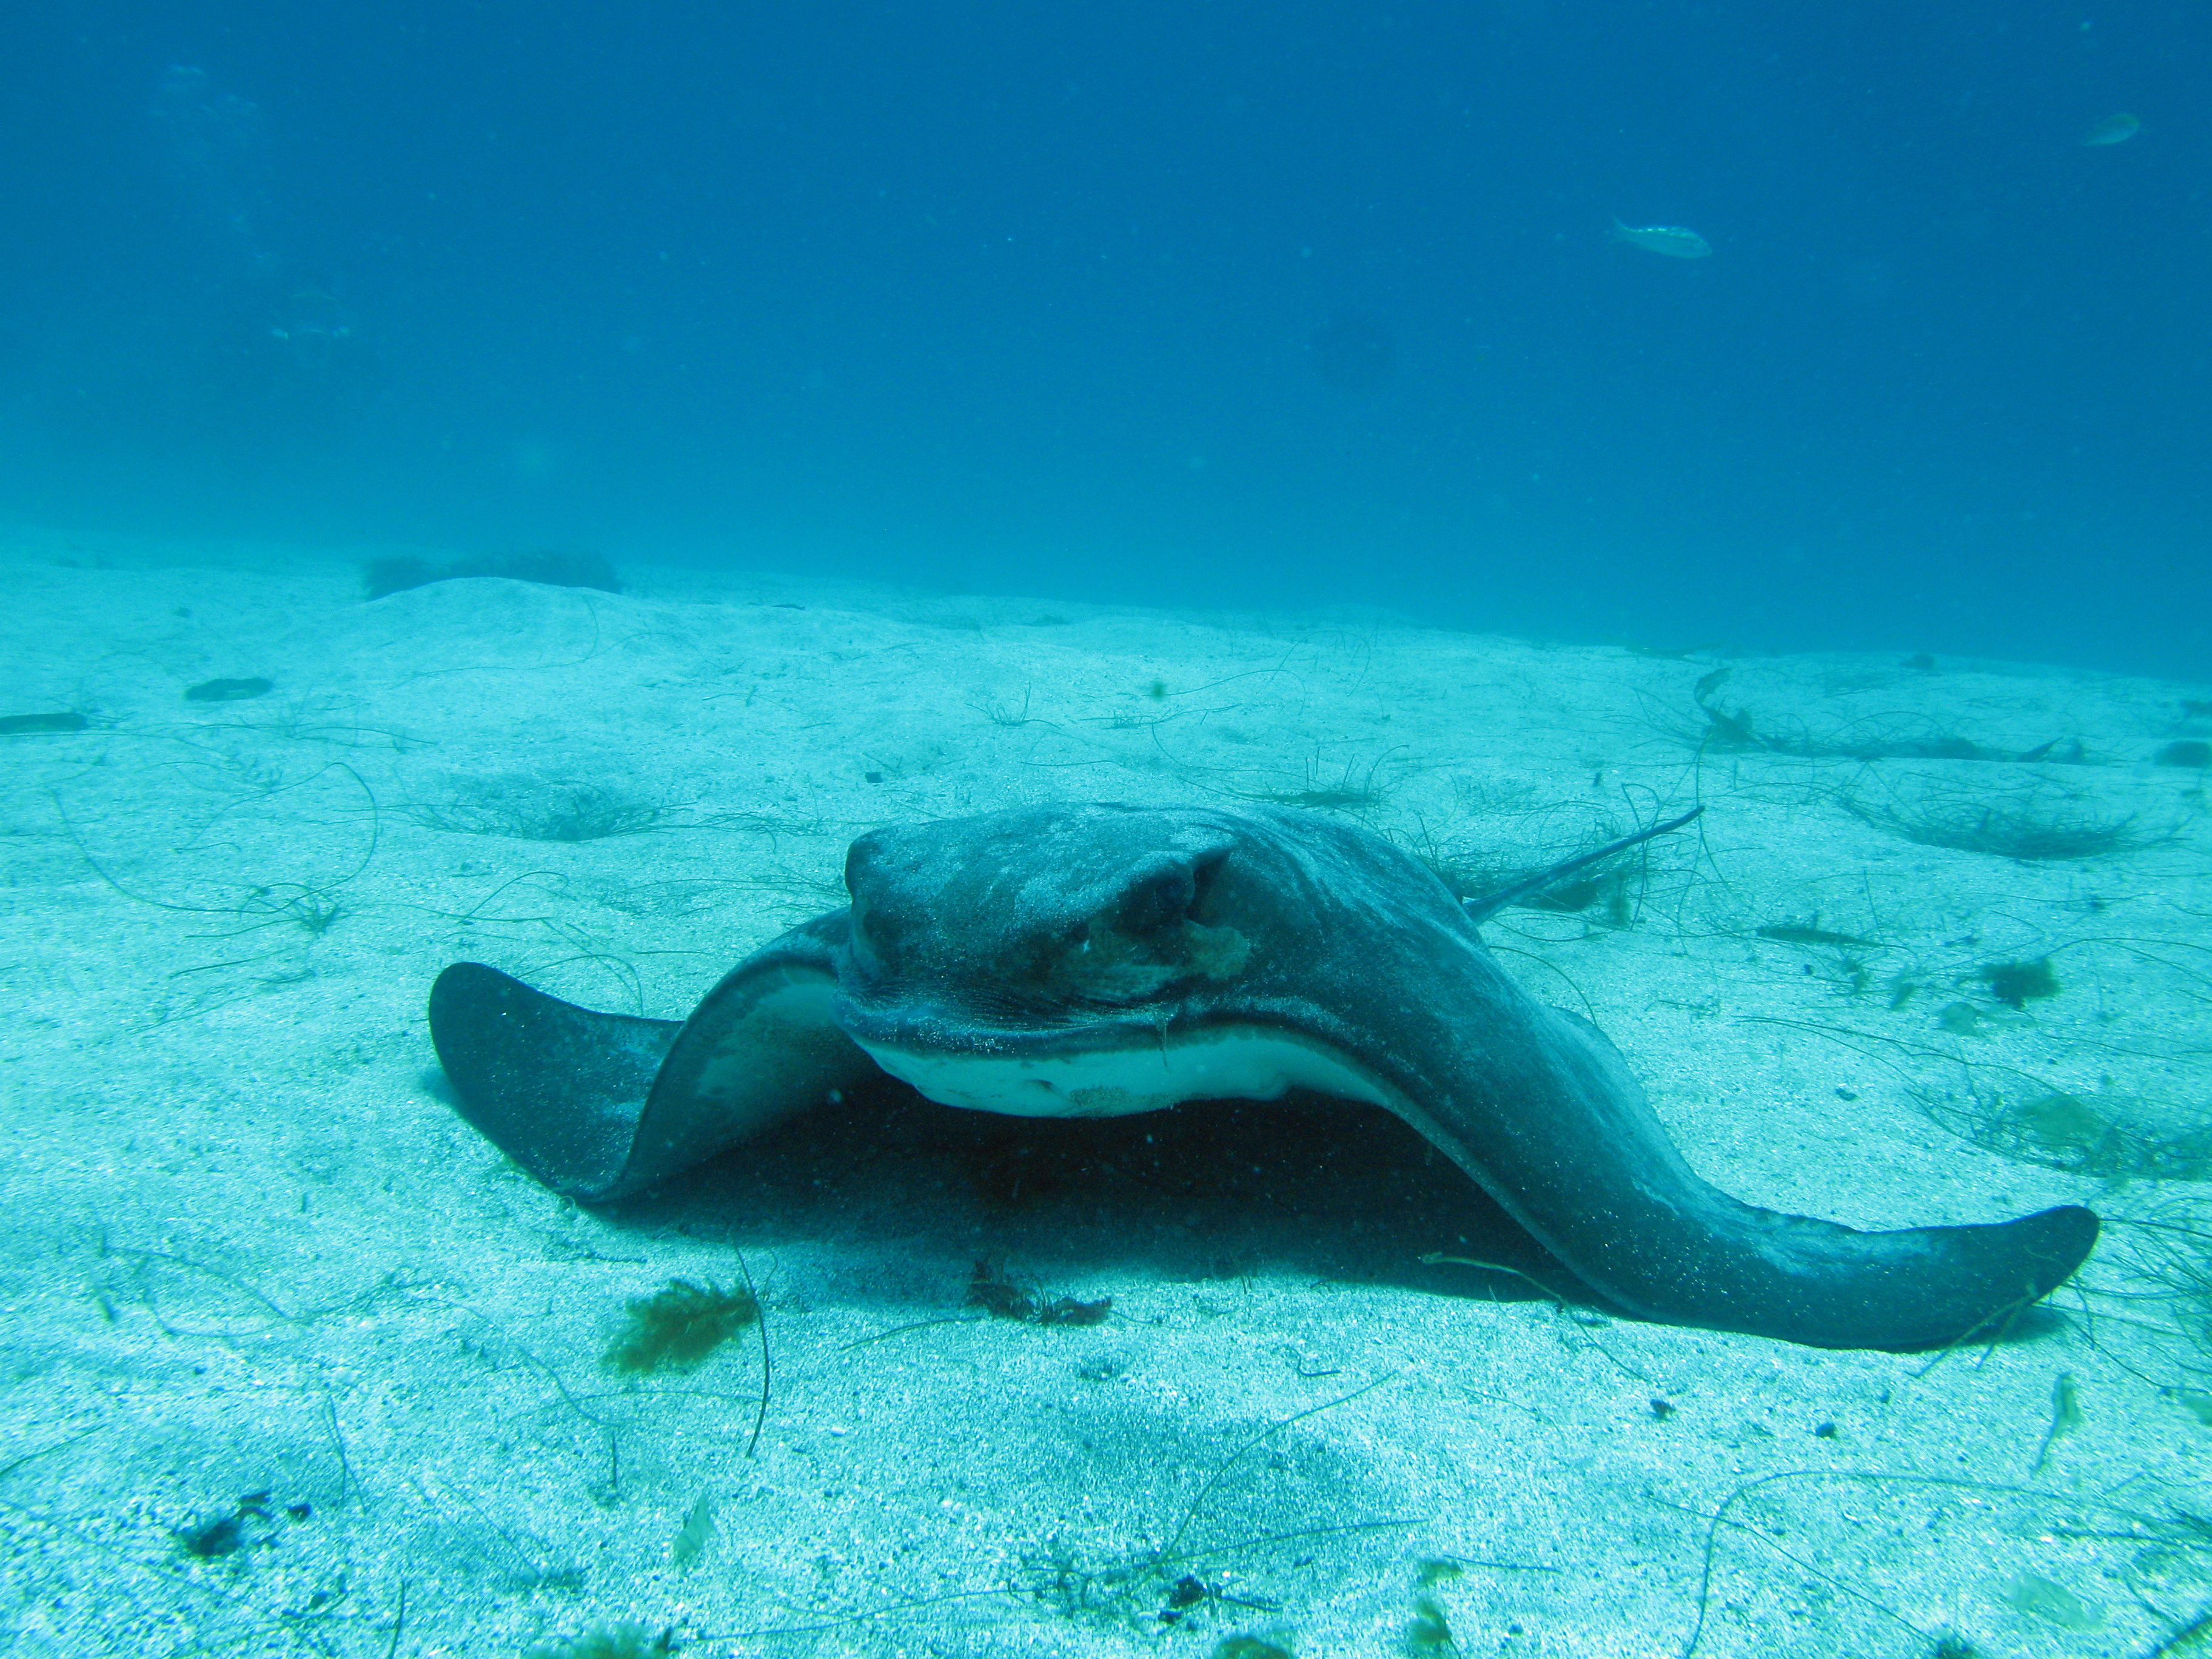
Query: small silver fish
point(2114, 130)
point(1672, 240)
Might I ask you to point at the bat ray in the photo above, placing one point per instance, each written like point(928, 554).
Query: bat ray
point(1097, 959)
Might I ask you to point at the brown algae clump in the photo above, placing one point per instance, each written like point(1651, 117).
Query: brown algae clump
point(2109, 1136)
point(679, 1326)
point(2016, 984)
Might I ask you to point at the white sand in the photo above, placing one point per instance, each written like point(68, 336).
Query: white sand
point(251, 1249)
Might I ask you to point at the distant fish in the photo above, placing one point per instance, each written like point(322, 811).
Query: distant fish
point(1672, 240)
point(2114, 130)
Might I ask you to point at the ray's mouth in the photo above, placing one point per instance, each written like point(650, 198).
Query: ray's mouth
point(991, 1025)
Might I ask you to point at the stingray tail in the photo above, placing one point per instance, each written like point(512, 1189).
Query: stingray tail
point(1480, 910)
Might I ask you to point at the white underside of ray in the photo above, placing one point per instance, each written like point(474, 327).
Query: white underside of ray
point(1235, 1063)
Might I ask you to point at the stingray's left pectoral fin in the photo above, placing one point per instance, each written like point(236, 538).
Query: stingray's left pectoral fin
point(557, 1088)
point(597, 1106)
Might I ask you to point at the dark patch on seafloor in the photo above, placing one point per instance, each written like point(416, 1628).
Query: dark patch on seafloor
point(1307, 1186)
point(229, 690)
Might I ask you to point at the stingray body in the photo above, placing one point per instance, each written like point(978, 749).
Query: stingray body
point(1096, 960)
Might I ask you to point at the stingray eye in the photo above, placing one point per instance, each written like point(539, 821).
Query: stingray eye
point(1158, 900)
point(858, 939)
point(1150, 938)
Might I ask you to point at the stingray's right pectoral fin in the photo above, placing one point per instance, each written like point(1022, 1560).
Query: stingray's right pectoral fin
point(597, 1106)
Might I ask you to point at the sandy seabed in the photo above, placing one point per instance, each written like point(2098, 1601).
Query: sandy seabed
point(298, 1363)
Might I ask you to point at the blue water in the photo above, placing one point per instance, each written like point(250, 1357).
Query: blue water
point(1283, 304)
